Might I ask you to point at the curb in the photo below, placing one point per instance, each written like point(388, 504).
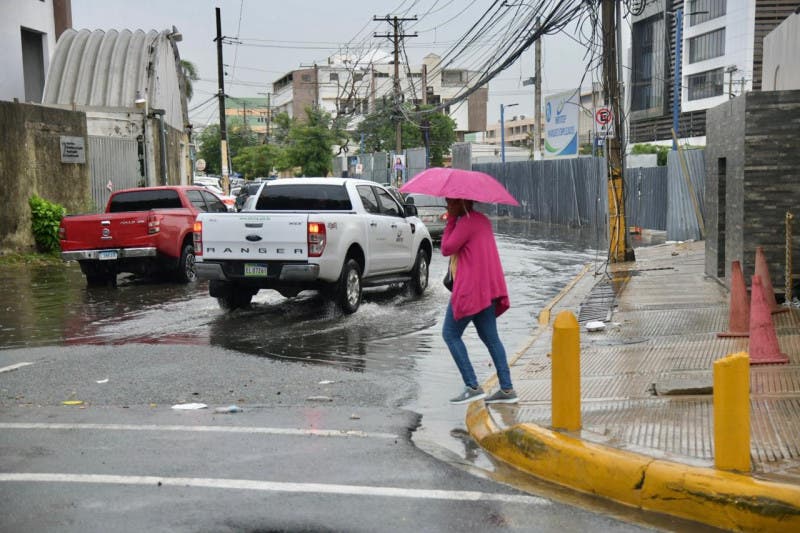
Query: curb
point(714, 497)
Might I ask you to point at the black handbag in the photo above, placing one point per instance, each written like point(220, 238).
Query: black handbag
point(448, 277)
point(448, 280)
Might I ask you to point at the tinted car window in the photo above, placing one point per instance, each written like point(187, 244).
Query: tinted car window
point(301, 197)
point(388, 204)
point(424, 200)
point(145, 200)
point(197, 200)
point(215, 205)
point(368, 199)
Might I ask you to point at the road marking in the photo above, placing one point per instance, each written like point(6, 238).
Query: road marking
point(13, 367)
point(205, 429)
point(276, 486)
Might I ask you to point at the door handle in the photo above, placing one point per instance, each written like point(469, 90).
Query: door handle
point(394, 226)
point(373, 224)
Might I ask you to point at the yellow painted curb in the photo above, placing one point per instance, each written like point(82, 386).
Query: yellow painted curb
point(714, 497)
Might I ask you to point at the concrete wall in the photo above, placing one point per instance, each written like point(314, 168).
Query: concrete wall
point(30, 163)
point(781, 60)
point(756, 135)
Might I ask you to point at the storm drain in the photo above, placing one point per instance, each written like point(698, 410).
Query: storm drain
point(599, 303)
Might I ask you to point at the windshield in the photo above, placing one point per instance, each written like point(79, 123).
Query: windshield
point(304, 197)
point(424, 200)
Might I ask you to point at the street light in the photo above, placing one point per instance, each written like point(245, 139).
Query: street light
point(503, 131)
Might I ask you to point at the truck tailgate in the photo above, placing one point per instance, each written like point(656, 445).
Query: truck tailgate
point(107, 230)
point(255, 236)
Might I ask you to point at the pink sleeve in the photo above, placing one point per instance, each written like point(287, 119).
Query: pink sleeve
point(456, 233)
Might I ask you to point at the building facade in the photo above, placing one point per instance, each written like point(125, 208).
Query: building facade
point(352, 87)
point(28, 33)
point(720, 56)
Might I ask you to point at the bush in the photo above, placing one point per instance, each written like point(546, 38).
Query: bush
point(45, 219)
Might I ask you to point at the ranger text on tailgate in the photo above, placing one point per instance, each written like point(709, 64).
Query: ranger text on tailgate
point(335, 235)
point(145, 231)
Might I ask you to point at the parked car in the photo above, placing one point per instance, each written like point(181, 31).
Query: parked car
point(145, 230)
point(246, 191)
point(431, 210)
point(228, 199)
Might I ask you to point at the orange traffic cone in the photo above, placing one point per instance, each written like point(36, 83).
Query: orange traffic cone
point(764, 348)
point(739, 308)
point(762, 270)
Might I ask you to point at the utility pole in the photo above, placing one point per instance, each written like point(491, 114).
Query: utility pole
point(269, 117)
point(396, 36)
point(223, 131)
point(618, 246)
point(537, 80)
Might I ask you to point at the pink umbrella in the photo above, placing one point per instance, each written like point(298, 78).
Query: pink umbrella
point(457, 183)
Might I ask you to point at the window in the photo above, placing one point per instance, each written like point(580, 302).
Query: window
point(706, 46)
point(145, 200)
point(358, 77)
point(32, 64)
point(388, 204)
point(648, 70)
point(215, 205)
point(298, 197)
point(334, 76)
point(703, 10)
point(305, 77)
point(706, 84)
point(368, 199)
point(196, 198)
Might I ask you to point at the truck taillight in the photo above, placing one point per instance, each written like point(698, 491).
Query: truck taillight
point(316, 239)
point(443, 217)
point(197, 237)
point(153, 224)
point(62, 233)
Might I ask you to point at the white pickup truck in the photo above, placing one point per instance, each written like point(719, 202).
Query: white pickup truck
point(335, 235)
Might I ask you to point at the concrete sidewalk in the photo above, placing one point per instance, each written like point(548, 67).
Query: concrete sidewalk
point(639, 446)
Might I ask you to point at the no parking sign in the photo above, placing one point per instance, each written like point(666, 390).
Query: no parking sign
point(604, 118)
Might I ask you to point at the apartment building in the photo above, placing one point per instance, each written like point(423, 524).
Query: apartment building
point(353, 86)
point(720, 57)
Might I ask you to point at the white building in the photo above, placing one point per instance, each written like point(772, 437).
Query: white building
point(781, 57)
point(349, 86)
point(28, 33)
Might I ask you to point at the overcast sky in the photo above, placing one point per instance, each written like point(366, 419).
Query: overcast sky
point(281, 35)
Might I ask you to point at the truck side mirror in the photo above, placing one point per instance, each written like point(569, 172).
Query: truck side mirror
point(410, 210)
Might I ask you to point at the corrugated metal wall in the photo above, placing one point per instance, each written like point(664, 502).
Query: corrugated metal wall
point(461, 156)
point(571, 192)
point(115, 160)
point(646, 197)
point(682, 223)
point(416, 162)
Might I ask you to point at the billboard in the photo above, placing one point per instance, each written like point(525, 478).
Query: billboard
point(561, 124)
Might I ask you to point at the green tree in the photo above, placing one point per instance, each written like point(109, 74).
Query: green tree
point(660, 151)
point(378, 129)
point(209, 143)
point(310, 143)
point(189, 72)
point(259, 160)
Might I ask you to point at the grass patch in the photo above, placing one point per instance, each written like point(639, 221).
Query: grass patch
point(30, 259)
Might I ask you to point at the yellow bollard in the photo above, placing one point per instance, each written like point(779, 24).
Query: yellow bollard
point(732, 412)
point(566, 376)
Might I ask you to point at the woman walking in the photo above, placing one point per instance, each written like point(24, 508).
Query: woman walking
point(479, 296)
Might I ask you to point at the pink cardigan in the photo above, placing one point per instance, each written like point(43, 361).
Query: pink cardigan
point(479, 280)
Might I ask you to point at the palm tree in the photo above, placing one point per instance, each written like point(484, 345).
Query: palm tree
point(189, 72)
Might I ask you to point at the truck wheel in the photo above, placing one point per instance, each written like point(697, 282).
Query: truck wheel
point(348, 290)
point(419, 275)
point(230, 296)
point(97, 275)
point(234, 300)
point(186, 270)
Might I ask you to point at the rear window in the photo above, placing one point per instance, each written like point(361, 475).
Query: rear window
point(145, 200)
point(304, 197)
point(424, 200)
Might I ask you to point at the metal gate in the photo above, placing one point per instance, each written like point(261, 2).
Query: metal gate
point(113, 165)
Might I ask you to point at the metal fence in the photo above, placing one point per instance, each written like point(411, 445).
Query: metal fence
point(646, 197)
point(113, 165)
point(682, 223)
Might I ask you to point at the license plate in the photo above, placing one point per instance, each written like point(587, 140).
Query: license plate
point(428, 219)
point(255, 270)
point(106, 255)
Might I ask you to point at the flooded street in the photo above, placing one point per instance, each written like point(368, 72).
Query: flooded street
point(391, 333)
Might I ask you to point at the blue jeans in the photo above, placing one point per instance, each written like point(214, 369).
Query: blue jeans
point(486, 325)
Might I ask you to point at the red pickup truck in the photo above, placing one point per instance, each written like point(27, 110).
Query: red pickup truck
point(144, 231)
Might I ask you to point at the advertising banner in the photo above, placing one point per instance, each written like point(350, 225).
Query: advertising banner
point(561, 124)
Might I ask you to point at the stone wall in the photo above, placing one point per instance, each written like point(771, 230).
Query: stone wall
point(30, 163)
point(756, 137)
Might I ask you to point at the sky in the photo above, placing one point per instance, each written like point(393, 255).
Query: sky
point(278, 36)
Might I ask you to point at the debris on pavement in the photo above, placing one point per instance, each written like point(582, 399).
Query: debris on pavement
point(228, 409)
point(189, 406)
